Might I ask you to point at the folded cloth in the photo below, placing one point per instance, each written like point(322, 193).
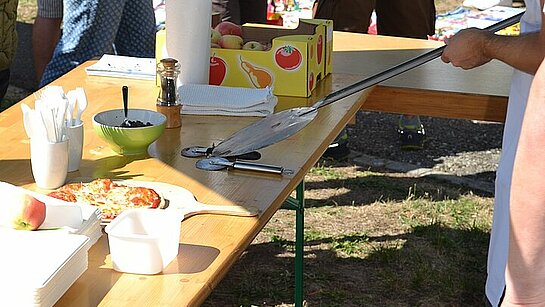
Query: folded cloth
point(123, 67)
point(202, 99)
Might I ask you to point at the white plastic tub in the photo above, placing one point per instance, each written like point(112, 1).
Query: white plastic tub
point(143, 241)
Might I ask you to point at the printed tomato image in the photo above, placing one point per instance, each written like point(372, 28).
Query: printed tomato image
point(218, 69)
point(288, 57)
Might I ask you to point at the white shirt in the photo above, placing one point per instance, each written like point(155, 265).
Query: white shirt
point(518, 96)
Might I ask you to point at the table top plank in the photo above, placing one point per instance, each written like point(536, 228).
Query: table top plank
point(366, 55)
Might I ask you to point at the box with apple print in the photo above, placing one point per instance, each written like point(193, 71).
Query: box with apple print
point(293, 61)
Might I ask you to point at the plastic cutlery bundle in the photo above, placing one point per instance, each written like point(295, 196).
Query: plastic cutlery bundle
point(77, 102)
point(53, 112)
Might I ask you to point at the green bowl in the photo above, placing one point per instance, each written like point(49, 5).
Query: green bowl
point(129, 141)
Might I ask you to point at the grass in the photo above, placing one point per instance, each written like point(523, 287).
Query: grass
point(394, 241)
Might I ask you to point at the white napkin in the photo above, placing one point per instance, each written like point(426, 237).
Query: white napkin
point(202, 99)
point(123, 67)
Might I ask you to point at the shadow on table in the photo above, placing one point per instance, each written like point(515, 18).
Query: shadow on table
point(194, 259)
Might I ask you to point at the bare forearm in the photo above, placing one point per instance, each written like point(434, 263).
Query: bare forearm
point(473, 47)
point(525, 273)
point(523, 52)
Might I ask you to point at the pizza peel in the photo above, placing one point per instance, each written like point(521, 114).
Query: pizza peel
point(186, 204)
point(279, 126)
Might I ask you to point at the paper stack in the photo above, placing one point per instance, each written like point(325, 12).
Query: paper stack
point(38, 267)
point(123, 67)
point(91, 226)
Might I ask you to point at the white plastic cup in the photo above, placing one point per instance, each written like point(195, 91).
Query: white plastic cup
point(49, 163)
point(144, 241)
point(75, 146)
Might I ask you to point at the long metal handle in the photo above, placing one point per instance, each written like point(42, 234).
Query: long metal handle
point(401, 68)
point(259, 167)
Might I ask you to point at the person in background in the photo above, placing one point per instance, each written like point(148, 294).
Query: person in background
point(241, 11)
point(414, 19)
point(471, 48)
point(46, 32)
point(92, 28)
point(8, 41)
point(525, 272)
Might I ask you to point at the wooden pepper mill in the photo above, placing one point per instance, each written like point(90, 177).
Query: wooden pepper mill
point(167, 102)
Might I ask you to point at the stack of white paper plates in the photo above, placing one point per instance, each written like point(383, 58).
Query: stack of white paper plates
point(39, 266)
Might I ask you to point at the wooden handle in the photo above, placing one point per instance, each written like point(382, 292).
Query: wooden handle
point(201, 208)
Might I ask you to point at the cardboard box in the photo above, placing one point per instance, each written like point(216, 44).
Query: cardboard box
point(297, 60)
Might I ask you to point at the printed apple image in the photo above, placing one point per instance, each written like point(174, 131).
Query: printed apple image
point(319, 49)
point(310, 81)
point(215, 36)
point(230, 42)
point(288, 57)
point(218, 69)
point(311, 55)
point(228, 28)
point(21, 211)
point(330, 51)
point(253, 45)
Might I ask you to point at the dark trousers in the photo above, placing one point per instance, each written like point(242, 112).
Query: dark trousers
point(241, 11)
point(4, 82)
point(403, 18)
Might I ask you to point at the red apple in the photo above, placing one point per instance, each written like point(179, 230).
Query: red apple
point(214, 36)
point(253, 45)
point(21, 211)
point(231, 42)
point(228, 28)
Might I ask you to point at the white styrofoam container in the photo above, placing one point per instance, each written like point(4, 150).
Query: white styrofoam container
point(143, 241)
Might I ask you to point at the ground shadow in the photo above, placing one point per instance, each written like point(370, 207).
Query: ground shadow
point(430, 265)
point(366, 190)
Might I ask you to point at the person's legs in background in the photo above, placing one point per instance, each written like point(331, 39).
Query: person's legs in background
point(241, 11)
point(136, 34)
point(229, 10)
point(415, 19)
point(89, 30)
point(352, 16)
point(46, 32)
point(347, 15)
point(253, 11)
point(4, 82)
point(8, 42)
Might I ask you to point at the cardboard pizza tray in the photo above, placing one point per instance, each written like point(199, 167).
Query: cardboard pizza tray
point(39, 266)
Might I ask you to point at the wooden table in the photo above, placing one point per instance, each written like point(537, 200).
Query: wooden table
point(209, 244)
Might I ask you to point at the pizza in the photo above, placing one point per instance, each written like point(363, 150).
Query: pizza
point(110, 196)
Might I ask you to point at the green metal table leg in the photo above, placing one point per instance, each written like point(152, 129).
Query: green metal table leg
point(298, 204)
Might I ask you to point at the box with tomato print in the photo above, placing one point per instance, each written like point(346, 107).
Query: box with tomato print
point(296, 61)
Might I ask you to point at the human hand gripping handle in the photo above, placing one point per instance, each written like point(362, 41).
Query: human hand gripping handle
point(467, 49)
